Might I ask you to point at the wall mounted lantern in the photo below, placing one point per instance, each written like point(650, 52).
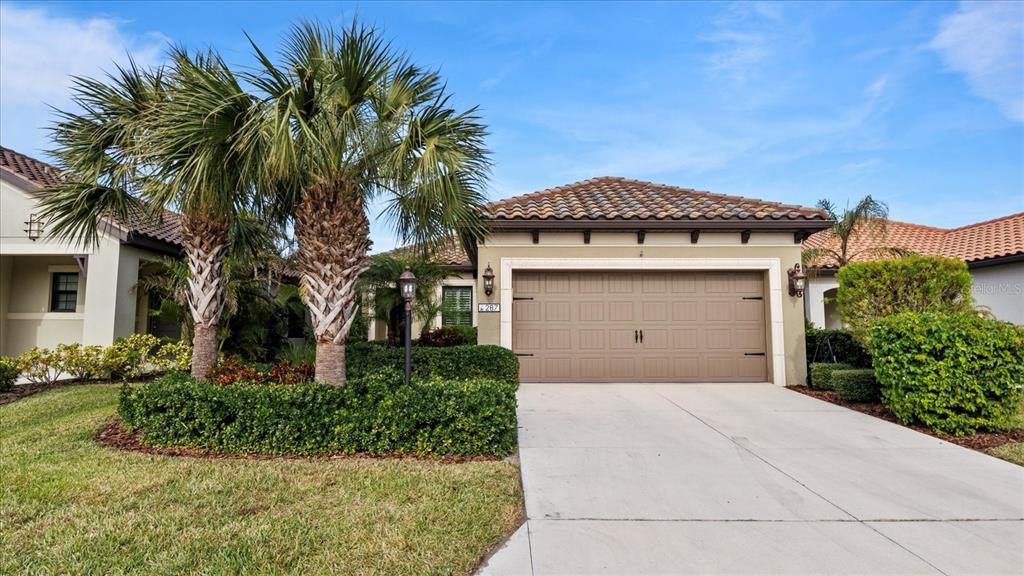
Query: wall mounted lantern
point(797, 281)
point(488, 280)
point(34, 227)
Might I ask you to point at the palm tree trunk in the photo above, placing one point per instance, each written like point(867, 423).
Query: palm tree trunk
point(334, 238)
point(206, 242)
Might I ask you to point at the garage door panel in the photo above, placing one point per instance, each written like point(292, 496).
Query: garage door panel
point(583, 326)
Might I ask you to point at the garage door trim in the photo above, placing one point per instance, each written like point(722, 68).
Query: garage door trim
point(772, 265)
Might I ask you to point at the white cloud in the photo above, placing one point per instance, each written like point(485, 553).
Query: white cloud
point(40, 52)
point(985, 42)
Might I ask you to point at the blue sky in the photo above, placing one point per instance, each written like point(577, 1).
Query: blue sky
point(919, 104)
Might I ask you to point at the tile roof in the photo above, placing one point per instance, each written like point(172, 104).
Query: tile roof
point(448, 253)
point(42, 175)
point(981, 241)
point(611, 198)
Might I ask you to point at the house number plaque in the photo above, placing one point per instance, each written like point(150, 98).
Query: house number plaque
point(489, 307)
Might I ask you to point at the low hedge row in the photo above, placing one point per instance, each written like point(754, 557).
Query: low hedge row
point(956, 373)
point(453, 363)
point(374, 413)
point(856, 385)
point(829, 345)
point(821, 374)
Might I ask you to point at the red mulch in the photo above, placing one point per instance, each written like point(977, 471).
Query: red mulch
point(115, 435)
point(980, 441)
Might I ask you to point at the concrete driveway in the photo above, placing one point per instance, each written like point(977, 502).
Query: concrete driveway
point(749, 479)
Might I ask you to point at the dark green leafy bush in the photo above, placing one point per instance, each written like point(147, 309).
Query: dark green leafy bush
point(857, 385)
point(869, 291)
point(9, 372)
point(827, 345)
point(374, 414)
point(453, 363)
point(821, 374)
point(956, 373)
point(449, 336)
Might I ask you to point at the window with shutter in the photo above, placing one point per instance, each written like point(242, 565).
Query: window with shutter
point(457, 306)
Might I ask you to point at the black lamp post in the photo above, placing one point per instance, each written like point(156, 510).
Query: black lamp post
point(407, 285)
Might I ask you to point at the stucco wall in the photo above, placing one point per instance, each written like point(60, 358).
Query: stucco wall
point(378, 330)
point(1001, 289)
point(656, 245)
point(29, 321)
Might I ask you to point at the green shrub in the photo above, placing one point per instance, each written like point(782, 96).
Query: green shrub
point(454, 363)
point(869, 291)
point(9, 373)
point(827, 345)
point(129, 357)
point(956, 373)
point(173, 355)
point(821, 374)
point(449, 336)
point(82, 362)
point(857, 385)
point(40, 365)
point(375, 414)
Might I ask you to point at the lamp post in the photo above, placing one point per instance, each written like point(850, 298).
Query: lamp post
point(407, 285)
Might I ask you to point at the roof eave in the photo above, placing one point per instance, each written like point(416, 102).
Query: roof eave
point(613, 224)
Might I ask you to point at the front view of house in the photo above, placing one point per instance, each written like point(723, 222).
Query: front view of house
point(616, 280)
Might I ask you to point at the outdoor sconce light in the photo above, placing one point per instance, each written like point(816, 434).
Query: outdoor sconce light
point(34, 227)
point(407, 285)
point(488, 280)
point(797, 281)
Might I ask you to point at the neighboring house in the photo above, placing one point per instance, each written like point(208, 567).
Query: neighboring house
point(54, 292)
point(616, 280)
point(993, 251)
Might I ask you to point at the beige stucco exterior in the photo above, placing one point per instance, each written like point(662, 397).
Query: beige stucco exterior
point(672, 248)
point(107, 305)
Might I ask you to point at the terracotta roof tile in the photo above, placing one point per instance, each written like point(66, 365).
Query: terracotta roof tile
point(447, 253)
point(982, 241)
point(608, 198)
point(42, 175)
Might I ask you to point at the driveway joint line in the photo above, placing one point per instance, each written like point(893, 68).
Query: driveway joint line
point(759, 457)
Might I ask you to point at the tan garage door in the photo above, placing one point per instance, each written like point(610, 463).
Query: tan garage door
point(639, 326)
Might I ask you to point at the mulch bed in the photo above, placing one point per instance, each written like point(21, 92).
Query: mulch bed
point(980, 441)
point(115, 435)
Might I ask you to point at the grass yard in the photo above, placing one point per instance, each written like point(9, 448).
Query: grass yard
point(1013, 452)
point(70, 506)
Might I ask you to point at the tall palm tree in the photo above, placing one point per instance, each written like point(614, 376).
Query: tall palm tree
point(348, 121)
point(145, 140)
point(867, 221)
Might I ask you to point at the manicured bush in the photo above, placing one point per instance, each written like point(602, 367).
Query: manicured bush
point(82, 362)
point(173, 355)
point(9, 373)
point(857, 385)
point(454, 363)
point(449, 336)
point(869, 291)
point(821, 374)
point(956, 373)
point(827, 345)
point(375, 414)
point(130, 357)
point(40, 365)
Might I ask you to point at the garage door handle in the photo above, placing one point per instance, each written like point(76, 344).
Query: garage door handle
point(753, 353)
point(636, 336)
point(641, 336)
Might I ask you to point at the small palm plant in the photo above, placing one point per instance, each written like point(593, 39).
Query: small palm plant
point(348, 121)
point(380, 289)
point(861, 231)
point(144, 140)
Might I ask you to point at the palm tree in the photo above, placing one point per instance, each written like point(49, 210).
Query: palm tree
point(867, 221)
point(348, 121)
point(145, 140)
point(379, 284)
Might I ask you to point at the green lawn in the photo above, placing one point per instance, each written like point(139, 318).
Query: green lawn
point(70, 506)
point(1013, 452)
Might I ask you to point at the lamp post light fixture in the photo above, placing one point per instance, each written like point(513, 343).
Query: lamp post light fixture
point(407, 286)
point(797, 281)
point(488, 280)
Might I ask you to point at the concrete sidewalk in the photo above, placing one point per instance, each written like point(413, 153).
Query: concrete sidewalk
point(749, 479)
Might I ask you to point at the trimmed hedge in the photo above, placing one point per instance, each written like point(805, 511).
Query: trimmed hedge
point(828, 345)
point(821, 374)
point(9, 372)
point(449, 336)
point(857, 385)
point(870, 291)
point(452, 363)
point(956, 373)
point(373, 414)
